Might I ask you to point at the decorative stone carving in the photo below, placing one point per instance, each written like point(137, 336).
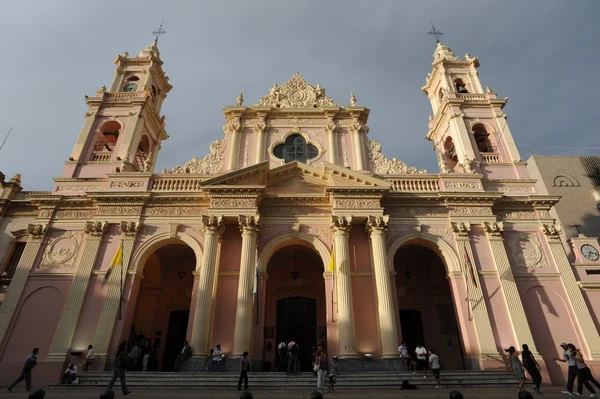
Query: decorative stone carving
point(95, 229)
point(240, 100)
point(517, 215)
point(462, 184)
point(419, 211)
point(358, 128)
point(341, 223)
point(493, 229)
point(526, 251)
point(379, 164)
point(37, 231)
point(377, 223)
point(510, 189)
point(126, 184)
point(330, 128)
point(565, 181)
point(443, 232)
point(61, 251)
point(233, 202)
point(129, 229)
point(461, 229)
point(173, 228)
point(249, 223)
point(119, 210)
point(296, 93)
point(323, 233)
point(294, 211)
point(259, 128)
point(356, 203)
point(208, 165)
point(174, 211)
point(543, 214)
point(466, 164)
point(352, 100)
point(147, 163)
point(214, 224)
point(79, 189)
point(345, 148)
point(471, 211)
point(268, 232)
point(552, 231)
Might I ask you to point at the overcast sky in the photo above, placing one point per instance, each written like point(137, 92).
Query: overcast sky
point(544, 55)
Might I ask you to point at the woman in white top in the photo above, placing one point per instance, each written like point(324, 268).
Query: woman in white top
point(70, 374)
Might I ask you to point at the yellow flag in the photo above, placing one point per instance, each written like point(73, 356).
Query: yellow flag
point(116, 261)
point(332, 260)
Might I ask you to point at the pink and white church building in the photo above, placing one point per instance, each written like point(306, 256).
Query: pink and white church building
point(235, 248)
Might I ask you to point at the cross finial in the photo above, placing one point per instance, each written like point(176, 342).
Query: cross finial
point(577, 228)
point(435, 33)
point(157, 33)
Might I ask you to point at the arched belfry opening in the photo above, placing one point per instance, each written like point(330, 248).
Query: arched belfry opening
point(161, 317)
point(295, 303)
point(425, 303)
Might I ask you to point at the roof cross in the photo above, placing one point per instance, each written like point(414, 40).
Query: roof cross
point(435, 33)
point(160, 31)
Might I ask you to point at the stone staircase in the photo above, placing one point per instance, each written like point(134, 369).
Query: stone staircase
point(264, 380)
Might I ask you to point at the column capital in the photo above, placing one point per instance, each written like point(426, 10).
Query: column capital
point(95, 229)
point(232, 127)
point(37, 232)
point(130, 229)
point(461, 230)
point(249, 224)
point(259, 128)
point(377, 224)
point(213, 224)
point(493, 230)
point(330, 127)
point(552, 232)
point(341, 224)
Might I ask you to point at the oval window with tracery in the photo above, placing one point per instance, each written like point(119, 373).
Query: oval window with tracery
point(295, 148)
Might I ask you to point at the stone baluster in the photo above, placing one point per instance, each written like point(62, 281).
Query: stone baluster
point(249, 227)
point(582, 313)
point(342, 226)
point(377, 228)
point(213, 229)
point(36, 232)
point(79, 287)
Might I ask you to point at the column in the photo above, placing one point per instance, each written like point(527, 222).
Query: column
point(475, 299)
point(516, 312)
point(356, 130)
point(112, 302)
point(79, 148)
point(582, 313)
point(70, 315)
point(342, 226)
point(17, 284)
point(213, 228)
point(233, 131)
point(249, 226)
point(332, 147)
point(261, 142)
point(377, 228)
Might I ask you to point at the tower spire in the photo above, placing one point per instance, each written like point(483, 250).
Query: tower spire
point(433, 32)
point(157, 33)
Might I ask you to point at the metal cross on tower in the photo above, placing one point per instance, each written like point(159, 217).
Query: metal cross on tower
point(157, 33)
point(435, 33)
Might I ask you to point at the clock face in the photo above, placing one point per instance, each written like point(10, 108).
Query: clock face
point(590, 252)
point(130, 87)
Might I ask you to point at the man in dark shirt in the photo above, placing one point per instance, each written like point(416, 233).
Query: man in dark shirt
point(30, 363)
point(244, 366)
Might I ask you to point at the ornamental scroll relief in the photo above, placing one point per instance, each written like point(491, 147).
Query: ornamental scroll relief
point(356, 203)
point(233, 202)
point(61, 251)
point(462, 184)
point(526, 251)
point(380, 165)
point(210, 164)
point(296, 93)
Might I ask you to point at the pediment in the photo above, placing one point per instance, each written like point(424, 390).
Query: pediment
point(254, 175)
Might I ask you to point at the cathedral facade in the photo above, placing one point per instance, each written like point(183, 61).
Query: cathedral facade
point(295, 225)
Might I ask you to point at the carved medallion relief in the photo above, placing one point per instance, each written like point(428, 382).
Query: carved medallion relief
point(525, 251)
point(61, 251)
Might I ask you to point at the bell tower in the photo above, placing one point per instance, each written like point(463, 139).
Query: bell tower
point(123, 129)
point(468, 128)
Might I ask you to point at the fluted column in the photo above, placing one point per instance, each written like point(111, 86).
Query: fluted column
point(261, 142)
point(332, 147)
point(233, 131)
point(342, 226)
point(116, 283)
point(249, 226)
point(70, 315)
point(518, 319)
point(213, 228)
point(377, 228)
point(358, 145)
point(475, 299)
point(17, 283)
point(582, 313)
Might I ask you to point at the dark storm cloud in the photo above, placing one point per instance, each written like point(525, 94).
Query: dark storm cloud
point(542, 54)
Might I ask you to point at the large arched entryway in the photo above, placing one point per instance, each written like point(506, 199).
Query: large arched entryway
point(162, 309)
point(295, 303)
point(425, 303)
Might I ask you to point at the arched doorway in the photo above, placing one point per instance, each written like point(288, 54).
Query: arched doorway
point(426, 306)
point(295, 303)
point(160, 321)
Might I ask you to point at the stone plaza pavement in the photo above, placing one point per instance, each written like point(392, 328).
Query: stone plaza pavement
point(292, 393)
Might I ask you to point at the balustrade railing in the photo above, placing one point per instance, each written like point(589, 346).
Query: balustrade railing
point(171, 184)
point(415, 185)
point(471, 96)
point(490, 157)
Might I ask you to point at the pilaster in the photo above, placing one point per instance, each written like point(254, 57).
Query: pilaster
point(234, 132)
point(358, 144)
point(583, 318)
point(261, 142)
point(249, 227)
point(332, 147)
point(116, 283)
point(377, 228)
point(36, 232)
point(70, 315)
point(342, 226)
point(213, 228)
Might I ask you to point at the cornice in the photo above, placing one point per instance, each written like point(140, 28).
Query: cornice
point(536, 201)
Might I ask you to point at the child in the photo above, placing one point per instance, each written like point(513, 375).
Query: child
point(333, 370)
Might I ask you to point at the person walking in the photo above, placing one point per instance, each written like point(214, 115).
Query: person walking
point(572, 368)
point(584, 374)
point(292, 357)
point(30, 363)
point(532, 367)
point(404, 356)
point(121, 363)
point(89, 358)
point(334, 369)
point(323, 364)
point(421, 354)
point(434, 365)
point(244, 367)
point(282, 349)
point(517, 366)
